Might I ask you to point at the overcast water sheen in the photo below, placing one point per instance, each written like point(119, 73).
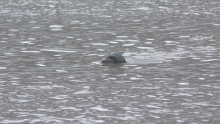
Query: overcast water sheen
point(50, 53)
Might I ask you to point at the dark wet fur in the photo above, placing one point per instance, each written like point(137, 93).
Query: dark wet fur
point(114, 59)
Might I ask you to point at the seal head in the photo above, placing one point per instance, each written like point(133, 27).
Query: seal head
point(114, 58)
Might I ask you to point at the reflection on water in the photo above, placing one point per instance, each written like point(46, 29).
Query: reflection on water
point(51, 52)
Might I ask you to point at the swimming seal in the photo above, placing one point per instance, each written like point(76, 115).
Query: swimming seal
point(114, 59)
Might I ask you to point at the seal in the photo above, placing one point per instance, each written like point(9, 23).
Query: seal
point(114, 59)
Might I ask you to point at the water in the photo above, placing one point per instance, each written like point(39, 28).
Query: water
point(51, 52)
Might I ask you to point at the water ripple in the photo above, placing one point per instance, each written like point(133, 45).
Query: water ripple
point(51, 53)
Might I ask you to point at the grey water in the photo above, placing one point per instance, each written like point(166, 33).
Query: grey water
point(50, 54)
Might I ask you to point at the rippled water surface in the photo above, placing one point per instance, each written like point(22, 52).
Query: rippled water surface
point(50, 53)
